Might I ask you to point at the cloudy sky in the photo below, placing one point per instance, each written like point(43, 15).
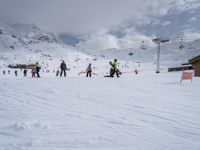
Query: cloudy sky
point(81, 17)
point(87, 15)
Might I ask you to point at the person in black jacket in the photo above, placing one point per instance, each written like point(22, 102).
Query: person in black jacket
point(25, 73)
point(63, 68)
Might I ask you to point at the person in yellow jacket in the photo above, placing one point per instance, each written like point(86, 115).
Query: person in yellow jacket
point(37, 67)
point(114, 69)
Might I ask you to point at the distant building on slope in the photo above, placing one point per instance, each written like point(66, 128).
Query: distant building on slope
point(195, 62)
point(181, 68)
point(22, 66)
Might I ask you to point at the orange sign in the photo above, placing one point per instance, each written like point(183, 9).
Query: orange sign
point(187, 76)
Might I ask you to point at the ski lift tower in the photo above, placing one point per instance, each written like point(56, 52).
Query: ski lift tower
point(159, 41)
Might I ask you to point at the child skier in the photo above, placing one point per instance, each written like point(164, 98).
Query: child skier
point(33, 71)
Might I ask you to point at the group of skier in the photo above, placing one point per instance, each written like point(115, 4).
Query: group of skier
point(63, 68)
point(114, 69)
point(35, 71)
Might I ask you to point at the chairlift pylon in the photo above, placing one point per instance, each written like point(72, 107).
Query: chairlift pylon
point(181, 45)
point(143, 46)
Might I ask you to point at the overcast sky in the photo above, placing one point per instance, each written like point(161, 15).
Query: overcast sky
point(83, 16)
point(94, 20)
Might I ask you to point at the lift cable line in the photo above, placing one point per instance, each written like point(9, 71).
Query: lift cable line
point(172, 39)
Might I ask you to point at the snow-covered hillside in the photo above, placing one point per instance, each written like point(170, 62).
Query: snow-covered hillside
point(173, 53)
point(27, 44)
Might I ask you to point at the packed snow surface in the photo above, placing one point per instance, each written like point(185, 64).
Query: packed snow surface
point(135, 112)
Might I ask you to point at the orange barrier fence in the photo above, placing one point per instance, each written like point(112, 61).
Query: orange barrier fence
point(107, 73)
point(84, 72)
point(135, 71)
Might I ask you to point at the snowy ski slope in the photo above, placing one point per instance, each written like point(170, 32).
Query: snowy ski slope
point(144, 112)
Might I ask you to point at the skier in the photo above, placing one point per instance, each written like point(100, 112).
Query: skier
point(136, 71)
point(37, 67)
point(15, 73)
point(8, 71)
point(63, 68)
point(114, 70)
point(89, 70)
point(4, 72)
point(25, 73)
point(33, 71)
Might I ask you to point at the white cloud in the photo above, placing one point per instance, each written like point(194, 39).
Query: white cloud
point(190, 35)
point(166, 23)
point(104, 40)
point(100, 41)
point(134, 39)
point(182, 5)
point(193, 19)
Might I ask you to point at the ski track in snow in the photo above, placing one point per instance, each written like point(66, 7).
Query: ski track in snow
point(144, 112)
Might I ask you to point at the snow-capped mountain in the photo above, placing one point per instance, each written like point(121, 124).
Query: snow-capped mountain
point(21, 34)
point(26, 43)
